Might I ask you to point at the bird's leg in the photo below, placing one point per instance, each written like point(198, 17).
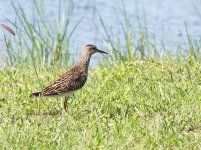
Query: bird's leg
point(66, 103)
point(38, 111)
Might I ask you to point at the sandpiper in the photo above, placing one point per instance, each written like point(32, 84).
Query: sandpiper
point(72, 80)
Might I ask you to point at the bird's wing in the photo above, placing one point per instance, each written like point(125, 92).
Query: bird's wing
point(68, 82)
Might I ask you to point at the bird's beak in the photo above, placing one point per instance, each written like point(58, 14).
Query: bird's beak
point(101, 51)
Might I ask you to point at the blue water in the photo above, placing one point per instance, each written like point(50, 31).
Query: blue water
point(165, 19)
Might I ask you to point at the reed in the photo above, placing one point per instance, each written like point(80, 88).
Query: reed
point(36, 41)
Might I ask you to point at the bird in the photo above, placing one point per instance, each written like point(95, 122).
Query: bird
point(72, 80)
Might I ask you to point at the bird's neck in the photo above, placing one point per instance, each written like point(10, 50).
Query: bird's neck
point(84, 61)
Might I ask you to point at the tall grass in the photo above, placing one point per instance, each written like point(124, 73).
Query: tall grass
point(40, 43)
point(37, 41)
point(132, 44)
point(142, 44)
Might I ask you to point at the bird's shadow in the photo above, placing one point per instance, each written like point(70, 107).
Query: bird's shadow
point(49, 113)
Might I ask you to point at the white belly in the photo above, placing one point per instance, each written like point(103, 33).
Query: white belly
point(61, 95)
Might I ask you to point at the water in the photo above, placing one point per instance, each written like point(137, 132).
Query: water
point(165, 19)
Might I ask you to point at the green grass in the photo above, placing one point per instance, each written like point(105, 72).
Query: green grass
point(37, 41)
point(145, 96)
point(138, 104)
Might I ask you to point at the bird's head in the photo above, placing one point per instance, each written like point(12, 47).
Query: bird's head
point(91, 49)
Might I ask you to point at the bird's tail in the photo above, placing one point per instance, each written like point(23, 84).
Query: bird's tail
point(35, 95)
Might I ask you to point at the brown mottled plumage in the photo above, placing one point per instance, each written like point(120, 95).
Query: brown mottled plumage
point(73, 79)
